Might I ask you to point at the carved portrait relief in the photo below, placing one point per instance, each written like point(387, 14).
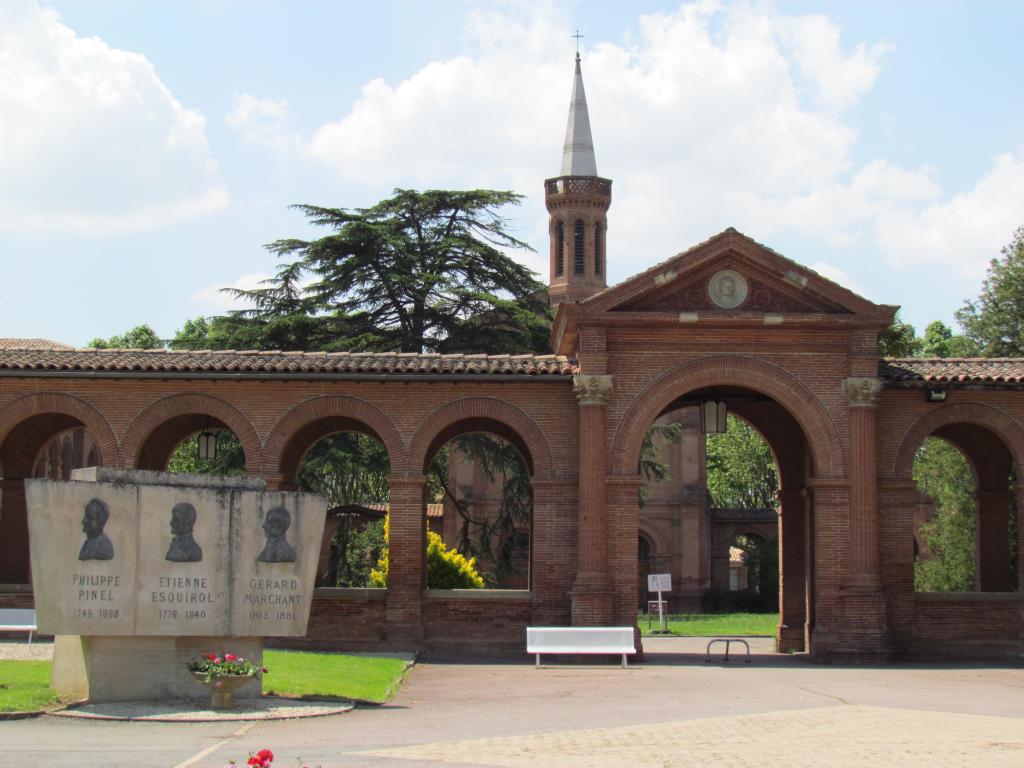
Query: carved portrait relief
point(277, 548)
point(728, 289)
point(97, 545)
point(184, 548)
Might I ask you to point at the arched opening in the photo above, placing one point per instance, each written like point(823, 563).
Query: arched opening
point(965, 523)
point(478, 507)
point(735, 507)
point(173, 446)
point(43, 445)
point(347, 462)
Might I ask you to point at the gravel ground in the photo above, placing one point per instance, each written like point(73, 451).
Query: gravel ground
point(21, 650)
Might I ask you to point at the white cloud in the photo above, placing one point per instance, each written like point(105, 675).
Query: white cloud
point(265, 122)
point(964, 232)
point(213, 300)
point(836, 275)
point(714, 115)
point(90, 139)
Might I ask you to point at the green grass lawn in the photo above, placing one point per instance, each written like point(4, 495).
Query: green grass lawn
point(25, 686)
point(716, 624)
point(367, 678)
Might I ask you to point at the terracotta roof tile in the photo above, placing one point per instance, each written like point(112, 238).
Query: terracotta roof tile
point(974, 370)
point(297, 363)
point(32, 344)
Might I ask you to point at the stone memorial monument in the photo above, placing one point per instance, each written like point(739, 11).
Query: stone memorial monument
point(138, 572)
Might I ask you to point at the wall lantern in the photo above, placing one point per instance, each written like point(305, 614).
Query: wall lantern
point(935, 395)
point(207, 445)
point(712, 417)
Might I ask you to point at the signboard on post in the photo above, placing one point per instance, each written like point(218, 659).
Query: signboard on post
point(660, 582)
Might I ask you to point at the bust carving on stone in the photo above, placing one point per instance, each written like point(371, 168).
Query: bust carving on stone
point(184, 548)
point(592, 389)
point(862, 391)
point(277, 549)
point(728, 289)
point(97, 546)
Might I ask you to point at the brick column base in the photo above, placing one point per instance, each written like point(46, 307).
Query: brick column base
point(789, 638)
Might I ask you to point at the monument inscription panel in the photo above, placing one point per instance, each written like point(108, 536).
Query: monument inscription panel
point(144, 553)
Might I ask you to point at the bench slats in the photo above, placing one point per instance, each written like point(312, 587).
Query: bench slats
point(603, 640)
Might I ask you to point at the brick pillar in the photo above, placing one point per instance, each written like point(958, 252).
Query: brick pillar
point(864, 603)
point(552, 558)
point(792, 571)
point(993, 550)
point(592, 594)
point(407, 543)
point(14, 557)
point(897, 502)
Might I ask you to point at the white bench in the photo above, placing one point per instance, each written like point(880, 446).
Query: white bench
point(607, 640)
point(18, 620)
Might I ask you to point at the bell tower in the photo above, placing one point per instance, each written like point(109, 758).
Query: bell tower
point(577, 201)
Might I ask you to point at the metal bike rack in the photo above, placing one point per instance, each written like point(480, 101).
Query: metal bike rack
point(728, 641)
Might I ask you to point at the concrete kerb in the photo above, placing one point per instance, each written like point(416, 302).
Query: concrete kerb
point(267, 708)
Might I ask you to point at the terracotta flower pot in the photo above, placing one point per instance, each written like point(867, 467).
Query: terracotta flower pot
point(222, 688)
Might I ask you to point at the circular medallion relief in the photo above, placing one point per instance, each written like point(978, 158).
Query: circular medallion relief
point(728, 289)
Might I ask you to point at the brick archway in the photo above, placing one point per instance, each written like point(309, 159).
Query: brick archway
point(42, 403)
point(819, 429)
point(172, 407)
point(1007, 429)
point(489, 414)
point(337, 411)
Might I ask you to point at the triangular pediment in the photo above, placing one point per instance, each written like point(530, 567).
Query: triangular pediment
point(730, 274)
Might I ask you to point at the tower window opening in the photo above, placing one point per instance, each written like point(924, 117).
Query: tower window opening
point(560, 250)
point(579, 256)
point(597, 248)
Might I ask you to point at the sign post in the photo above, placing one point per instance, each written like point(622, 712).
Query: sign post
point(660, 582)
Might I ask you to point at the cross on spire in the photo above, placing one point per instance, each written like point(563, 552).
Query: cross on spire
point(577, 35)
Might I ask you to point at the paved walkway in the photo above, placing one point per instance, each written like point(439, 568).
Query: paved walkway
point(673, 711)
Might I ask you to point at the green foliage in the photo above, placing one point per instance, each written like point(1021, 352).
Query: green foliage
point(446, 568)
point(652, 469)
point(419, 271)
point(25, 686)
point(354, 554)
point(940, 341)
point(995, 322)
point(942, 472)
point(762, 571)
point(230, 459)
point(363, 678)
point(347, 468)
point(139, 337)
point(741, 468)
point(899, 340)
point(493, 539)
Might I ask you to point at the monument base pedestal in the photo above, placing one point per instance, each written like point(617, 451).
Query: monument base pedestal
point(100, 669)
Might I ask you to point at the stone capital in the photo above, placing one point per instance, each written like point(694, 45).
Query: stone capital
point(862, 391)
point(592, 389)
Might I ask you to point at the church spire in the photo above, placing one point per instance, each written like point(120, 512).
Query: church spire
point(578, 151)
point(577, 201)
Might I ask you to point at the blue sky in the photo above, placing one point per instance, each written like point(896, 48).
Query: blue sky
point(148, 150)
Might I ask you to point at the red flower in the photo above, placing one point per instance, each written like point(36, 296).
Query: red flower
point(265, 754)
point(218, 660)
point(253, 761)
point(230, 656)
point(211, 656)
